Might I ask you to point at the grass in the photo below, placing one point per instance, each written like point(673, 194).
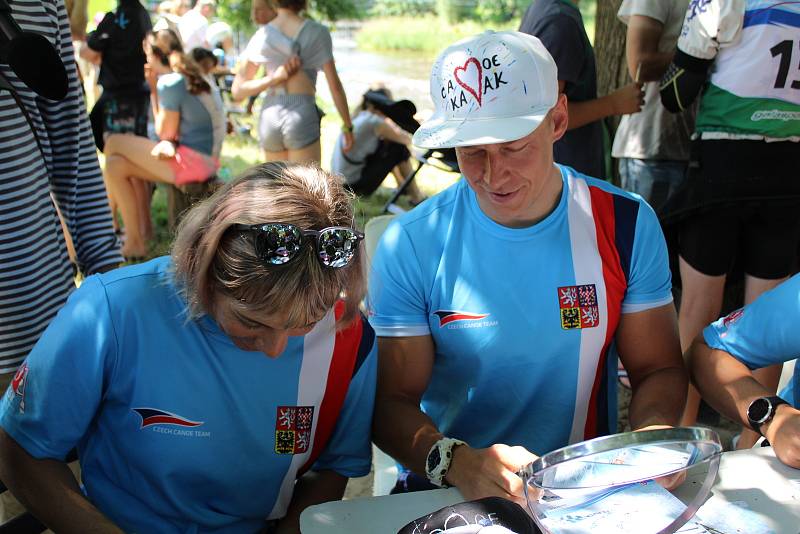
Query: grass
point(428, 35)
point(242, 151)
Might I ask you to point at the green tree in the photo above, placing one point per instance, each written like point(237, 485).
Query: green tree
point(237, 12)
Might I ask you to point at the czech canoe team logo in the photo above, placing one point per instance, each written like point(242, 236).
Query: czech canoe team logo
point(293, 429)
point(18, 385)
point(152, 416)
point(578, 305)
point(448, 316)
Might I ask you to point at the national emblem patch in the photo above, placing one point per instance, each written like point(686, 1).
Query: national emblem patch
point(578, 306)
point(293, 429)
point(18, 385)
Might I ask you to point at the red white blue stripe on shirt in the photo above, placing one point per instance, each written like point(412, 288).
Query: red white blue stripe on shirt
point(602, 230)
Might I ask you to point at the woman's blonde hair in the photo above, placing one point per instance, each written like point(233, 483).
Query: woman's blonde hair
point(213, 260)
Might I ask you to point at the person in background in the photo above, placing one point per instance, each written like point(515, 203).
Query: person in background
point(169, 16)
point(117, 45)
point(235, 363)
point(380, 145)
point(501, 303)
point(292, 50)
point(737, 203)
point(78, 13)
point(652, 146)
point(62, 173)
point(559, 25)
point(262, 11)
point(762, 334)
point(193, 24)
point(190, 124)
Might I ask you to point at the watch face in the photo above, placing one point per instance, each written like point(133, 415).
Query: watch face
point(759, 410)
point(434, 459)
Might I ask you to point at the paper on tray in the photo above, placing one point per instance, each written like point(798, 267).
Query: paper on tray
point(643, 508)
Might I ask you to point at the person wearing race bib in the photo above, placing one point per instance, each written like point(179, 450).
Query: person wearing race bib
point(738, 202)
point(292, 50)
point(761, 334)
point(223, 388)
point(501, 303)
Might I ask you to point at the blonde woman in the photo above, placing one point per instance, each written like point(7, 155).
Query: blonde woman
point(292, 50)
point(224, 388)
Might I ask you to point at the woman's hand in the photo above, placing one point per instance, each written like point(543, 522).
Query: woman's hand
point(151, 77)
point(347, 142)
point(287, 70)
point(163, 150)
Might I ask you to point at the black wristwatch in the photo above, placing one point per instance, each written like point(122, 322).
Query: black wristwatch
point(762, 410)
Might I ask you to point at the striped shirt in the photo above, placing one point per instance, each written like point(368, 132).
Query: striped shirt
point(35, 271)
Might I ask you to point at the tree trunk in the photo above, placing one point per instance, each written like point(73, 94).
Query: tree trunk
point(609, 46)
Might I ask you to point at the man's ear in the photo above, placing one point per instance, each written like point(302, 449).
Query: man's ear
point(560, 117)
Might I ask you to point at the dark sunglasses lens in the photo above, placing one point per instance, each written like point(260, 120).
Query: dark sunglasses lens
point(277, 244)
point(337, 246)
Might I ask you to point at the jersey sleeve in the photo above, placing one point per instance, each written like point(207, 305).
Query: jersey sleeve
point(171, 91)
point(649, 280)
point(654, 9)
point(763, 333)
point(318, 50)
point(98, 39)
point(253, 52)
point(710, 25)
point(396, 300)
point(59, 387)
point(562, 38)
point(349, 451)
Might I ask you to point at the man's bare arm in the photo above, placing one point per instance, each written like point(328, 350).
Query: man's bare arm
point(729, 386)
point(49, 491)
point(649, 348)
point(628, 99)
point(645, 62)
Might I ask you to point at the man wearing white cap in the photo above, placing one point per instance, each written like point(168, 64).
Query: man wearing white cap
point(499, 301)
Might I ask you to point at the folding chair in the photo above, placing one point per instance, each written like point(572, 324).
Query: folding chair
point(442, 158)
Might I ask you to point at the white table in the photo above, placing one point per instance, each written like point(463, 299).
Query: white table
point(754, 476)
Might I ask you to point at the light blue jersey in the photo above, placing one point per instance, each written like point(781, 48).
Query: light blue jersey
point(523, 319)
point(177, 429)
point(763, 333)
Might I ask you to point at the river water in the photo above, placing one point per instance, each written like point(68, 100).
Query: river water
point(405, 74)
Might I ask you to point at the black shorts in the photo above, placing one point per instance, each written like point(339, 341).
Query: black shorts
point(377, 165)
point(746, 203)
point(120, 113)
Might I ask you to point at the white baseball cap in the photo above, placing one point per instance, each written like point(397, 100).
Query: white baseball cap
point(492, 88)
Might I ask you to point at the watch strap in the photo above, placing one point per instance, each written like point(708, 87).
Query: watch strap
point(774, 402)
point(444, 448)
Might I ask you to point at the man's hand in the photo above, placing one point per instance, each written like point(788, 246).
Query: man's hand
point(479, 473)
point(783, 433)
point(628, 99)
point(163, 150)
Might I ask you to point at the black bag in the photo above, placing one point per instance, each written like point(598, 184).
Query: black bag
point(484, 512)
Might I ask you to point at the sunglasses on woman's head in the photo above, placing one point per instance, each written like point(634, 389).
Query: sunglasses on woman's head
point(280, 243)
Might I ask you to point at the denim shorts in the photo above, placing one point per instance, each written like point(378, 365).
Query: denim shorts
point(655, 180)
point(288, 122)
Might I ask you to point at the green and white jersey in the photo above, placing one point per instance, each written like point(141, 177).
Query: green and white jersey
point(754, 89)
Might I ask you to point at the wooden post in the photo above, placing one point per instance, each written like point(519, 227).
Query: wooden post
point(181, 198)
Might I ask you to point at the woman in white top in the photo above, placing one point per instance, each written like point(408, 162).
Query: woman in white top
point(292, 49)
